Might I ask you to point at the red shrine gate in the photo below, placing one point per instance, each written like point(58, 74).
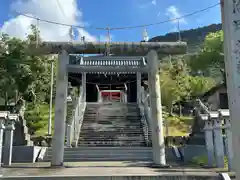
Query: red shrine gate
point(112, 95)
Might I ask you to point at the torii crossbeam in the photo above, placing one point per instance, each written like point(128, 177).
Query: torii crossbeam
point(117, 48)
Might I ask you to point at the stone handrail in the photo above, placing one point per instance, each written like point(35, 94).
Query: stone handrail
point(218, 145)
point(202, 107)
point(74, 123)
point(145, 115)
point(200, 112)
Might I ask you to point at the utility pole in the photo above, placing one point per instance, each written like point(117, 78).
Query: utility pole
point(145, 35)
point(107, 53)
point(179, 32)
point(51, 99)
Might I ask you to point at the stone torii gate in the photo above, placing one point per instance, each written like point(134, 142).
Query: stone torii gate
point(231, 27)
point(149, 49)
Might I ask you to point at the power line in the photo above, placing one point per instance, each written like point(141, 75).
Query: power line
point(124, 27)
point(61, 9)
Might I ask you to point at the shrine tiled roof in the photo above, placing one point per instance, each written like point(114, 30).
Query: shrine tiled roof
point(107, 61)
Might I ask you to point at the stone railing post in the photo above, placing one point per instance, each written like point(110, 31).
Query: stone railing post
point(3, 118)
point(84, 85)
point(225, 116)
point(218, 138)
point(208, 131)
point(8, 144)
point(139, 88)
point(68, 130)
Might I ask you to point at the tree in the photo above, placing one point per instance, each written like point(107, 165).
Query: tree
point(177, 83)
point(174, 82)
point(210, 59)
point(28, 75)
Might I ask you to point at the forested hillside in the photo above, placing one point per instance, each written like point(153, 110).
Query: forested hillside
point(194, 37)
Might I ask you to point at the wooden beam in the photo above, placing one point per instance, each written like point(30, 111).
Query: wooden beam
point(80, 69)
point(117, 48)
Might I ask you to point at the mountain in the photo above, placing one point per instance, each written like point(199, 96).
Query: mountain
point(194, 37)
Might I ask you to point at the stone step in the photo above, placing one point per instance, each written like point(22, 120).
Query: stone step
point(111, 145)
point(113, 123)
point(117, 144)
point(112, 108)
point(103, 158)
point(111, 117)
point(112, 104)
point(112, 130)
point(110, 140)
point(111, 133)
point(102, 110)
point(105, 150)
point(109, 153)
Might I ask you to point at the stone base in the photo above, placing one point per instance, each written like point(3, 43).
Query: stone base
point(160, 166)
point(25, 154)
point(57, 166)
point(188, 152)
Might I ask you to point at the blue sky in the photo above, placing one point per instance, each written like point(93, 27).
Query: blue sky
point(108, 13)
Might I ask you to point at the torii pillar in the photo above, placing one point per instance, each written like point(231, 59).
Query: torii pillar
point(60, 110)
point(158, 145)
point(231, 26)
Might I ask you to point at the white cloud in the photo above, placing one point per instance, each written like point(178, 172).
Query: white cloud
point(173, 13)
point(47, 10)
point(154, 2)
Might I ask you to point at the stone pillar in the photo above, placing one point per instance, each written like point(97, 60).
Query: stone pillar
point(156, 110)
point(3, 117)
point(218, 139)
point(9, 131)
point(208, 131)
point(224, 114)
point(231, 15)
point(69, 135)
point(84, 85)
point(138, 88)
point(60, 110)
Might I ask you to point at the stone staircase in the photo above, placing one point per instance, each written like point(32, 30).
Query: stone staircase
point(110, 125)
point(110, 132)
point(104, 154)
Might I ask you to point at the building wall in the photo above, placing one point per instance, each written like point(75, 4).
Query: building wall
point(214, 100)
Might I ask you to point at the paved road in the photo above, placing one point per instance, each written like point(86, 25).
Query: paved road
point(100, 169)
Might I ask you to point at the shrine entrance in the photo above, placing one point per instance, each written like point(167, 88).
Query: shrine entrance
point(113, 86)
point(128, 59)
point(112, 96)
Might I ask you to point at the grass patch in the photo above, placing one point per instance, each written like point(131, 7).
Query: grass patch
point(179, 126)
point(37, 119)
point(203, 161)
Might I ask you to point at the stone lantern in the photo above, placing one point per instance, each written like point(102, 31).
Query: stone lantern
point(8, 144)
point(3, 118)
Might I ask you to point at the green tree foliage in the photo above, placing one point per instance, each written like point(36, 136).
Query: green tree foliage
point(28, 75)
point(177, 83)
point(25, 76)
point(210, 60)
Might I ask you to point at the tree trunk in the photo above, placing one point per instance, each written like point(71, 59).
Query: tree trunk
point(6, 101)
